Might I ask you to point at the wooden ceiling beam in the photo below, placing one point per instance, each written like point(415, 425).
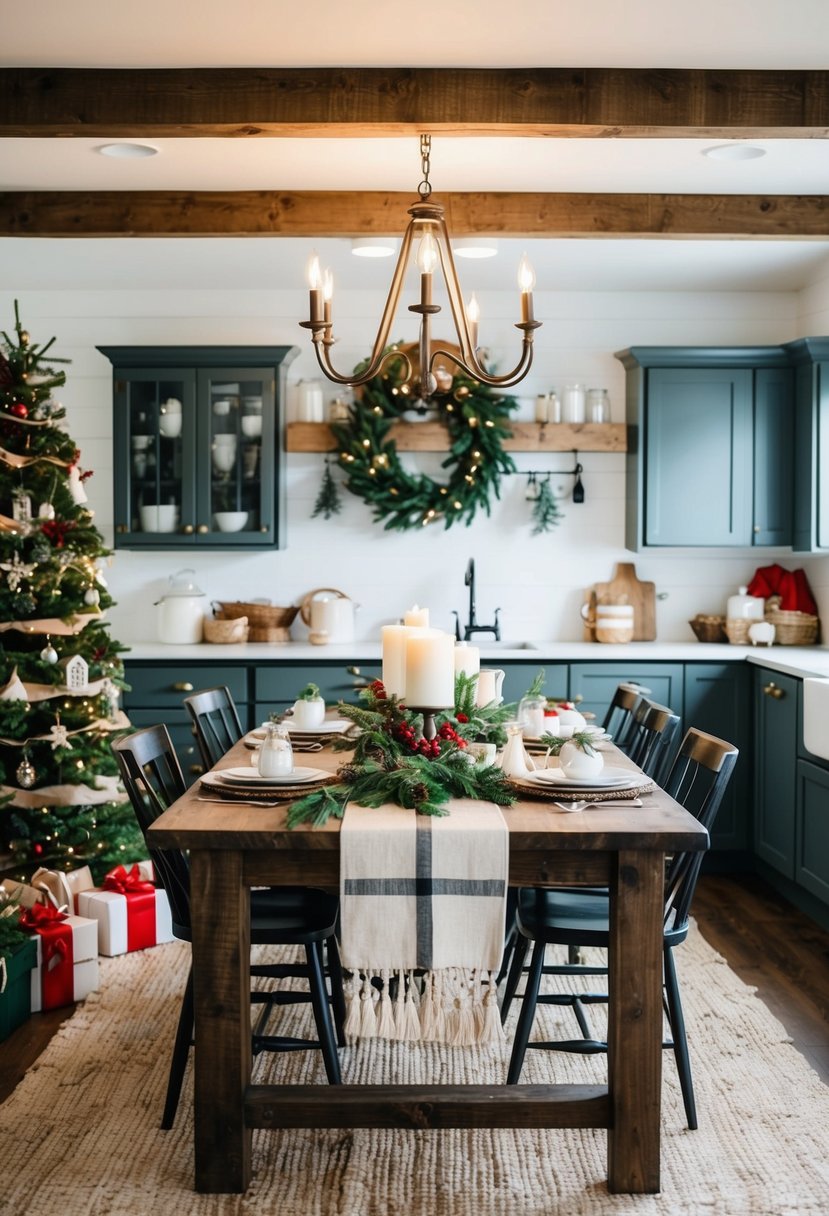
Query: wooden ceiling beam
point(343, 102)
point(351, 214)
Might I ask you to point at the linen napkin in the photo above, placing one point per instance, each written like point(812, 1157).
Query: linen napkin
point(422, 913)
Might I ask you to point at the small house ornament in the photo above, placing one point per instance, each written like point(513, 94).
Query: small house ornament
point(75, 673)
point(22, 508)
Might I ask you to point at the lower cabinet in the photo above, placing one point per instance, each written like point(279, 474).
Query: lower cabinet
point(595, 683)
point(277, 687)
point(812, 834)
point(717, 700)
point(776, 721)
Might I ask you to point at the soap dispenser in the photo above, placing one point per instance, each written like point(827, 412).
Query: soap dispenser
point(745, 607)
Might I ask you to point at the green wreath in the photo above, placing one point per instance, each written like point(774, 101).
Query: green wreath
point(477, 422)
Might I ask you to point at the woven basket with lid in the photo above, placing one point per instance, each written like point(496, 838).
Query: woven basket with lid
point(791, 628)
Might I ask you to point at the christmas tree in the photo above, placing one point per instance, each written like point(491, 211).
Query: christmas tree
point(60, 672)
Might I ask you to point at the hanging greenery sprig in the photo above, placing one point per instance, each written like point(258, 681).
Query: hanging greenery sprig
point(328, 500)
point(476, 420)
point(546, 512)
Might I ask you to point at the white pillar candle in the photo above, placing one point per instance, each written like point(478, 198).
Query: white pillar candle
point(394, 659)
point(416, 616)
point(467, 658)
point(430, 670)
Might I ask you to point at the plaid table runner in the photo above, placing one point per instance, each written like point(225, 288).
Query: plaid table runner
point(426, 895)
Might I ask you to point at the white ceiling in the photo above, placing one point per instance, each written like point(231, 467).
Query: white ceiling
point(487, 33)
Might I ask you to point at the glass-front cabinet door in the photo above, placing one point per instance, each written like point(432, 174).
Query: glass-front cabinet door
point(198, 446)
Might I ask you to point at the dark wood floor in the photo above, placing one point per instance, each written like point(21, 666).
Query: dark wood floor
point(766, 941)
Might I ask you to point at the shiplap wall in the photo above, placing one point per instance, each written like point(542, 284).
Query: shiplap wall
point(537, 581)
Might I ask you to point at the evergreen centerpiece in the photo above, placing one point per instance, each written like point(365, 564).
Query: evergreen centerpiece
point(393, 763)
point(60, 802)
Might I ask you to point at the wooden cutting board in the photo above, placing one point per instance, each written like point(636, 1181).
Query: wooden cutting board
point(626, 588)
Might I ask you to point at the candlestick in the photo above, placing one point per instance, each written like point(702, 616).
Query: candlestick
point(416, 616)
point(430, 669)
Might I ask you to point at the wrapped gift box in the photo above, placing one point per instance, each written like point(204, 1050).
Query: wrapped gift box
point(16, 988)
point(67, 960)
point(131, 915)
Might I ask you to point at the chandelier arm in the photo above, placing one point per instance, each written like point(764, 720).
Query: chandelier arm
point(372, 369)
point(475, 371)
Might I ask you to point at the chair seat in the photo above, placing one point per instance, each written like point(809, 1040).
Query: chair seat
point(310, 916)
point(563, 916)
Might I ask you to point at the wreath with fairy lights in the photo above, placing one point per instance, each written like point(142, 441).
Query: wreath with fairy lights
point(476, 420)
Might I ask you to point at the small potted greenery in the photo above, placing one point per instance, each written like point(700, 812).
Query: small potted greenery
point(577, 755)
point(309, 709)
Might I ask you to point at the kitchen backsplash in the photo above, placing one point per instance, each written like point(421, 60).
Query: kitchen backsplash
point(538, 582)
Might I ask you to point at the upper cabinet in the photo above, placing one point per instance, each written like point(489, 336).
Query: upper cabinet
point(810, 357)
point(198, 452)
point(710, 433)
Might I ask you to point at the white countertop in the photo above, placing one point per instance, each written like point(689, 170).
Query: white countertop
point(791, 660)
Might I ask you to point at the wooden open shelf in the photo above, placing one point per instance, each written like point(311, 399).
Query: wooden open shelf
point(431, 437)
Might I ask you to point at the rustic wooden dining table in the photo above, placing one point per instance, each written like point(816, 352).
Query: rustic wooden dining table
point(234, 846)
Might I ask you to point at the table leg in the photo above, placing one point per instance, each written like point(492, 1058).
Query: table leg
point(634, 1037)
point(220, 912)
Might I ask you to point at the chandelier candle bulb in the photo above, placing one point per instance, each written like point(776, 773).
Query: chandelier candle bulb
point(467, 659)
point(416, 616)
point(327, 295)
point(430, 670)
point(526, 282)
point(315, 285)
point(473, 315)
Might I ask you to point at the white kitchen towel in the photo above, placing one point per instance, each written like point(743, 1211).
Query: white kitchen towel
point(427, 895)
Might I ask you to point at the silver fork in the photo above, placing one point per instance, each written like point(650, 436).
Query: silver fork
point(582, 806)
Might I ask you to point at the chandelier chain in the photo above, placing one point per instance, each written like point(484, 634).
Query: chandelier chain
point(425, 187)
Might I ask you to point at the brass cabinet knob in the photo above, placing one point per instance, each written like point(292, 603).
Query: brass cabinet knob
point(187, 529)
point(265, 528)
point(182, 686)
point(196, 769)
point(122, 528)
point(773, 690)
point(756, 527)
point(202, 529)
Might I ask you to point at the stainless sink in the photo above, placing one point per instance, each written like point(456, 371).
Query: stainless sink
point(491, 644)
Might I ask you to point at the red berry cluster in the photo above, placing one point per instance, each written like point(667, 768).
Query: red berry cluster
point(449, 733)
point(378, 689)
point(462, 717)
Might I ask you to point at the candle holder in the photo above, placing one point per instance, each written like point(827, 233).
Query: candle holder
point(429, 728)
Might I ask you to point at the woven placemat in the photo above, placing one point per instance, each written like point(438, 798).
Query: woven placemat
point(260, 793)
point(561, 793)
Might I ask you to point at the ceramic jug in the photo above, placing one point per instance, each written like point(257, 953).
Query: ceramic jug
point(490, 682)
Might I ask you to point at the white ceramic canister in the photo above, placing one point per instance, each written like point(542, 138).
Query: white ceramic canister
point(181, 610)
point(573, 401)
point(745, 607)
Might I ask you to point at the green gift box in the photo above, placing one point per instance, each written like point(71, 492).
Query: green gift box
point(16, 995)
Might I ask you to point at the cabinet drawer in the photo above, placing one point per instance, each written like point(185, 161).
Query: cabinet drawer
point(166, 684)
point(812, 868)
point(279, 685)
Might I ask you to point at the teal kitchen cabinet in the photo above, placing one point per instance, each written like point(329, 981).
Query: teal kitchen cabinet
point(277, 687)
point(811, 444)
point(812, 832)
point(718, 700)
point(518, 676)
point(776, 726)
point(710, 435)
point(594, 684)
point(198, 452)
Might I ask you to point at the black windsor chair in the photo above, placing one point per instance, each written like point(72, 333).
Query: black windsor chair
point(215, 722)
point(153, 780)
point(697, 780)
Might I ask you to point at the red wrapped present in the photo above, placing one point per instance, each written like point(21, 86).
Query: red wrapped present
point(67, 956)
point(131, 912)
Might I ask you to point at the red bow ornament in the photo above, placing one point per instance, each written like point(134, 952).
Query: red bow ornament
point(141, 900)
point(57, 978)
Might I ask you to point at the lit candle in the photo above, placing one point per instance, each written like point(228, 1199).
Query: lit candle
point(394, 659)
point(526, 283)
point(473, 314)
point(430, 670)
point(327, 295)
point(417, 616)
point(467, 659)
point(427, 260)
point(315, 285)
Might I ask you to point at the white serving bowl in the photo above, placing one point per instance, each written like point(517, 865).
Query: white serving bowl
point(230, 521)
point(170, 425)
point(251, 425)
point(162, 518)
point(224, 458)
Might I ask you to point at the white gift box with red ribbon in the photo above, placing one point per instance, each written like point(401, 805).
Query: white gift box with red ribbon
point(67, 962)
point(131, 913)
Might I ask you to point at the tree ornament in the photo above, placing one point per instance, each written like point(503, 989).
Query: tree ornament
point(26, 775)
point(328, 500)
point(24, 337)
point(46, 511)
point(477, 421)
point(21, 508)
point(19, 408)
point(48, 654)
point(91, 596)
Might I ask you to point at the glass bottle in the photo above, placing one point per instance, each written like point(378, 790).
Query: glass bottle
point(531, 716)
point(572, 403)
point(553, 407)
point(598, 405)
point(542, 408)
point(276, 756)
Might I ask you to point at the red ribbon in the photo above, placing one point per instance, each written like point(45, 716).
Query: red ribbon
point(140, 897)
point(57, 977)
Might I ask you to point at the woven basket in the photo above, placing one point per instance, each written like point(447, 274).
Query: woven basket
point(791, 628)
point(709, 628)
point(736, 629)
point(226, 631)
point(265, 622)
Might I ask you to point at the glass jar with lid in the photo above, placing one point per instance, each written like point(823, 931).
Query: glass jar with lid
point(531, 716)
point(276, 756)
point(598, 405)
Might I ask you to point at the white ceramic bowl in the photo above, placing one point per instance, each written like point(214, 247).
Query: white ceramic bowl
point(170, 425)
point(163, 518)
point(224, 458)
point(230, 521)
point(251, 425)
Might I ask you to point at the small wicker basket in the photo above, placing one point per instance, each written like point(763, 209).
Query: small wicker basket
point(791, 628)
point(709, 628)
point(265, 622)
point(226, 631)
point(736, 628)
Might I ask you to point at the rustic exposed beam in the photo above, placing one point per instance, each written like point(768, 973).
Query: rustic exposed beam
point(351, 214)
point(245, 102)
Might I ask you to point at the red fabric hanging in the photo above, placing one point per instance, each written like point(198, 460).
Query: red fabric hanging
point(791, 585)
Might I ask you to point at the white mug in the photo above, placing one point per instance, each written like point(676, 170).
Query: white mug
point(490, 681)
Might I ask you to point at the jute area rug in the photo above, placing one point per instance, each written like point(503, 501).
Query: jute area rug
point(80, 1134)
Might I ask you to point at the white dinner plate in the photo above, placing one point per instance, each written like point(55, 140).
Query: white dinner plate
point(611, 778)
point(249, 776)
point(331, 726)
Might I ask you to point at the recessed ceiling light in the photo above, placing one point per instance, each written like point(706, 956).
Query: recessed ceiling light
point(734, 152)
point(475, 247)
point(127, 151)
point(373, 246)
